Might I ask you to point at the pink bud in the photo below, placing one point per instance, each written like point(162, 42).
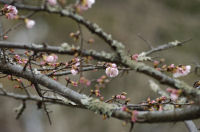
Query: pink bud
point(123, 97)
point(118, 96)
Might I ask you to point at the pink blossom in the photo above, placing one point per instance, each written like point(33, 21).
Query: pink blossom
point(123, 97)
point(82, 80)
point(112, 71)
point(85, 5)
point(173, 96)
point(88, 83)
point(74, 71)
point(118, 96)
point(52, 2)
point(135, 57)
point(10, 11)
point(42, 63)
point(77, 62)
point(172, 66)
point(29, 23)
point(124, 108)
point(51, 58)
point(182, 71)
point(17, 57)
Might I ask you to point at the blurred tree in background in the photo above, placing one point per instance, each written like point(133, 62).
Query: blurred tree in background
point(139, 25)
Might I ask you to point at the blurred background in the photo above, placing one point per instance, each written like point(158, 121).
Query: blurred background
point(157, 21)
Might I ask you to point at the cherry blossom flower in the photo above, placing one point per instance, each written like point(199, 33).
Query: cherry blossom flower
point(74, 71)
point(77, 62)
point(29, 23)
point(88, 83)
point(51, 58)
point(182, 71)
point(112, 70)
point(52, 2)
point(84, 5)
point(174, 93)
point(10, 11)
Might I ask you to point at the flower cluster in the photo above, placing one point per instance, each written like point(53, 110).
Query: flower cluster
point(20, 60)
point(174, 93)
point(84, 5)
point(182, 71)
point(96, 92)
point(178, 71)
point(121, 96)
point(74, 69)
point(156, 104)
point(10, 11)
point(112, 70)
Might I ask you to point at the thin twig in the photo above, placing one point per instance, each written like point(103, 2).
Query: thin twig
point(146, 41)
point(166, 46)
point(21, 109)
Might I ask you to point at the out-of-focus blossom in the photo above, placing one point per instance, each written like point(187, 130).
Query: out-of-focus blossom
point(88, 83)
point(52, 2)
point(135, 57)
point(124, 108)
point(173, 96)
point(123, 97)
point(74, 71)
point(75, 84)
point(182, 71)
point(174, 93)
point(112, 70)
point(77, 62)
point(85, 81)
point(172, 66)
point(84, 5)
point(5, 37)
point(29, 23)
point(10, 11)
point(51, 58)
